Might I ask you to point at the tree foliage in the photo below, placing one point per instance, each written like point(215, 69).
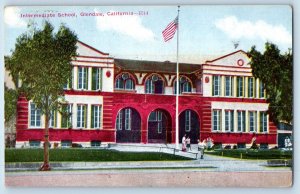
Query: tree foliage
point(42, 61)
point(275, 70)
point(10, 106)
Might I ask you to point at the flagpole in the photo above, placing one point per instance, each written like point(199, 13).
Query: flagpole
point(177, 86)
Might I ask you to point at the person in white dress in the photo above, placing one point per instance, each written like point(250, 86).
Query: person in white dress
point(184, 143)
point(201, 147)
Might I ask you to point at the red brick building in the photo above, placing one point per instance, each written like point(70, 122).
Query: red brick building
point(133, 101)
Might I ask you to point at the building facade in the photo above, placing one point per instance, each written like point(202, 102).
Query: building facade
point(133, 101)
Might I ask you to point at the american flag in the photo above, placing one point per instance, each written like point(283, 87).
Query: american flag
point(170, 30)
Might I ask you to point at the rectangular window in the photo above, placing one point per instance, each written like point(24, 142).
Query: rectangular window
point(251, 87)
point(263, 122)
point(119, 120)
point(159, 123)
point(96, 117)
point(66, 144)
point(241, 145)
point(217, 120)
point(83, 78)
point(241, 121)
point(127, 119)
point(252, 121)
point(96, 78)
point(240, 86)
point(81, 116)
point(66, 116)
point(69, 83)
point(228, 86)
point(261, 90)
point(52, 121)
point(35, 116)
point(34, 144)
point(229, 120)
point(188, 121)
point(95, 143)
point(216, 85)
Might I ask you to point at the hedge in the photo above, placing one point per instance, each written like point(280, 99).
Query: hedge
point(85, 155)
point(254, 154)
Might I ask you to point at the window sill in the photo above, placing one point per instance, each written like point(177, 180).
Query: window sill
point(124, 91)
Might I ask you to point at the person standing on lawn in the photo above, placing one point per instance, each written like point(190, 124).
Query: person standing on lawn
point(188, 143)
point(184, 143)
point(201, 147)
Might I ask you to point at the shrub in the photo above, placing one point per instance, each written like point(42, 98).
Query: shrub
point(86, 155)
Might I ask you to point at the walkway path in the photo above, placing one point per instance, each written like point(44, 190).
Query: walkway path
point(209, 163)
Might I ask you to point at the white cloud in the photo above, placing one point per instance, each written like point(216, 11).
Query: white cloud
point(236, 29)
point(12, 17)
point(128, 25)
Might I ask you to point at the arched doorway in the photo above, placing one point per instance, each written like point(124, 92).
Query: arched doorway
point(128, 126)
point(159, 127)
point(189, 125)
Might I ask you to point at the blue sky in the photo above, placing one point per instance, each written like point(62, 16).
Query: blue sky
point(205, 32)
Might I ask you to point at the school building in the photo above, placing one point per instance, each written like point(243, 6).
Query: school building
point(114, 100)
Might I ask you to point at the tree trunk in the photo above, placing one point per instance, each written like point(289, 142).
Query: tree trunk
point(46, 165)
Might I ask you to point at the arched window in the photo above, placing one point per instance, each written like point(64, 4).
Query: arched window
point(124, 82)
point(154, 85)
point(119, 83)
point(129, 84)
point(184, 85)
point(187, 87)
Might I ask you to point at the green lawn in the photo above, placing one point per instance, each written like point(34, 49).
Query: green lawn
point(253, 154)
point(85, 155)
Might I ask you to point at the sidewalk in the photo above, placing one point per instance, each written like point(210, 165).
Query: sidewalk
point(209, 163)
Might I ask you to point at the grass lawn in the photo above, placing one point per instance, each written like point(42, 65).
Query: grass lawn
point(253, 154)
point(85, 155)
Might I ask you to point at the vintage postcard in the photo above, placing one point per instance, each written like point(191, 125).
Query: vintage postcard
point(149, 96)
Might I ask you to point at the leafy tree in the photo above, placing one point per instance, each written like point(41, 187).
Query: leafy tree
point(10, 106)
point(275, 70)
point(42, 61)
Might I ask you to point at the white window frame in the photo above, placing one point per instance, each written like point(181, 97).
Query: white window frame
point(119, 120)
point(81, 116)
point(241, 121)
point(159, 121)
point(252, 121)
point(96, 115)
point(264, 122)
point(187, 124)
point(128, 113)
point(36, 117)
point(187, 87)
point(216, 85)
point(129, 80)
point(82, 76)
point(240, 87)
point(251, 88)
point(229, 120)
point(228, 86)
point(149, 86)
point(119, 83)
point(217, 116)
